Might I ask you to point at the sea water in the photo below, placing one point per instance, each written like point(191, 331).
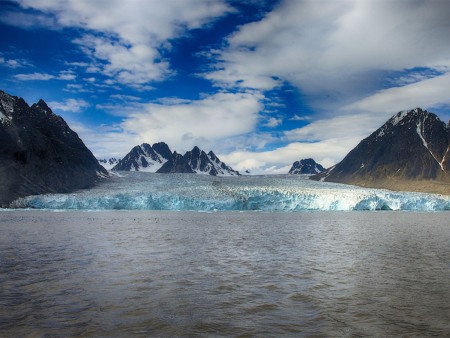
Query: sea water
point(220, 274)
point(126, 258)
point(148, 191)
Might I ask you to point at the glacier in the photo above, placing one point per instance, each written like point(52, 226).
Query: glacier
point(150, 191)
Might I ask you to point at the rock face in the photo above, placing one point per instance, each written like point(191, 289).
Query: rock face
point(409, 152)
point(197, 161)
point(145, 158)
point(306, 167)
point(39, 153)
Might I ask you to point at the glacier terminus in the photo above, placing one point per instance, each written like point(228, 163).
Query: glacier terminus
point(151, 191)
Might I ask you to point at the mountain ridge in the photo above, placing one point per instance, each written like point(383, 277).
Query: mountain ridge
point(160, 159)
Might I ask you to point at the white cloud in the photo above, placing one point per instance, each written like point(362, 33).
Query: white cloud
point(26, 20)
point(63, 75)
point(426, 94)
point(69, 105)
point(355, 126)
point(206, 122)
point(14, 63)
point(34, 77)
point(125, 37)
point(67, 75)
point(327, 153)
point(297, 117)
point(273, 122)
point(105, 142)
point(216, 122)
point(335, 51)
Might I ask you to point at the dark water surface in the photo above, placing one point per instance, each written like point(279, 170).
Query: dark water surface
point(224, 274)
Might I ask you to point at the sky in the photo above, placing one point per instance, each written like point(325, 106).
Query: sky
point(262, 83)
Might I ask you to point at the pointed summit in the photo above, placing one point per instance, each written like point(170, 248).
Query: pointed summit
point(411, 151)
point(145, 158)
point(42, 106)
point(306, 167)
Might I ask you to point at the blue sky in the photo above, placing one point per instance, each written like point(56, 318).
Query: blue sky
point(262, 83)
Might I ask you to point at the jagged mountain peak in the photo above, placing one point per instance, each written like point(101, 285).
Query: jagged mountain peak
point(42, 104)
point(145, 157)
point(411, 116)
point(197, 161)
point(306, 166)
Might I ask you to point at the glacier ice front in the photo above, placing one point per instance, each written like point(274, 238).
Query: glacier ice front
point(148, 191)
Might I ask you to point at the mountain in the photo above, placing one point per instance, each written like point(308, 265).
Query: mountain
point(197, 161)
point(306, 166)
point(160, 159)
point(145, 158)
point(39, 153)
point(409, 152)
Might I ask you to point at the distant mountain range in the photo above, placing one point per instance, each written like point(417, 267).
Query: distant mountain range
point(306, 167)
point(39, 153)
point(158, 158)
point(411, 151)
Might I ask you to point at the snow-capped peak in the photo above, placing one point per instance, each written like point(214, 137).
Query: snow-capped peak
point(145, 158)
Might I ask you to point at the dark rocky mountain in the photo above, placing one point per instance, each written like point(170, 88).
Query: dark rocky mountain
point(145, 158)
point(197, 161)
point(409, 152)
point(160, 159)
point(306, 167)
point(39, 153)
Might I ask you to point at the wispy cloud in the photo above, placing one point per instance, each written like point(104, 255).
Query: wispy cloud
point(63, 75)
point(427, 94)
point(273, 122)
point(14, 63)
point(34, 77)
point(69, 105)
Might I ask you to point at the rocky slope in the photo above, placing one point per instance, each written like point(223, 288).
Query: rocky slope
point(411, 151)
point(306, 167)
point(39, 153)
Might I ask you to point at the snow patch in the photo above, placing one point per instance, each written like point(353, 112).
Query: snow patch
point(443, 158)
point(397, 118)
point(419, 130)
